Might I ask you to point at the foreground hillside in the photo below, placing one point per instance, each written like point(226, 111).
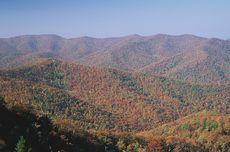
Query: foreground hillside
point(206, 129)
point(25, 130)
point(185, 57)
point(107, 99)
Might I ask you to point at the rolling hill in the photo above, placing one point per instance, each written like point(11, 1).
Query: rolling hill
point(206, 128)
point(185, 57)
point(108, 98)
point(132, 93)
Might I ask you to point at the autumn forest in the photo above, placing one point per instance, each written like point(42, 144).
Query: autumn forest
point(158, 93)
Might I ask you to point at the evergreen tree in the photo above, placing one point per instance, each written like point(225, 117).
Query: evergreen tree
point(21, 145)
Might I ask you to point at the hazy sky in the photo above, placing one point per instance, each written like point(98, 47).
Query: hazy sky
point(111, 18)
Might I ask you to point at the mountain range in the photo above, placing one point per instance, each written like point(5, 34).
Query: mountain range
point(185, 57)
point(133, 93)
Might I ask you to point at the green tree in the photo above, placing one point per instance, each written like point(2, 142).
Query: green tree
point(204, 122)
point(21, 145)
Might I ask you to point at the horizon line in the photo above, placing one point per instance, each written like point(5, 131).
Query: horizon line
point(122, 36)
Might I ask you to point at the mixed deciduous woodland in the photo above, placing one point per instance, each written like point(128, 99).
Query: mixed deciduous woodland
point(128, 94)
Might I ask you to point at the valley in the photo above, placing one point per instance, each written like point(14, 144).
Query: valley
point(133, 93)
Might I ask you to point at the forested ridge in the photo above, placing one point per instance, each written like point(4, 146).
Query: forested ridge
point(127, 94)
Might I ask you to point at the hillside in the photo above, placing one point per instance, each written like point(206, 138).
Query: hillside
point(209, 129)
point(198, 132)
point(102, 99)
point(185, 57)
point(39, 133)
point(125, 94)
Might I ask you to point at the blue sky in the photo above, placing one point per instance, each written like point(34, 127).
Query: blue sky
point(112, 18)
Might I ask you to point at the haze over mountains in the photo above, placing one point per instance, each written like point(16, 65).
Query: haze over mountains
point(184, 57)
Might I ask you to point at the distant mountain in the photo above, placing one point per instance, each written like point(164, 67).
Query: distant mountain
point(184, 57)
